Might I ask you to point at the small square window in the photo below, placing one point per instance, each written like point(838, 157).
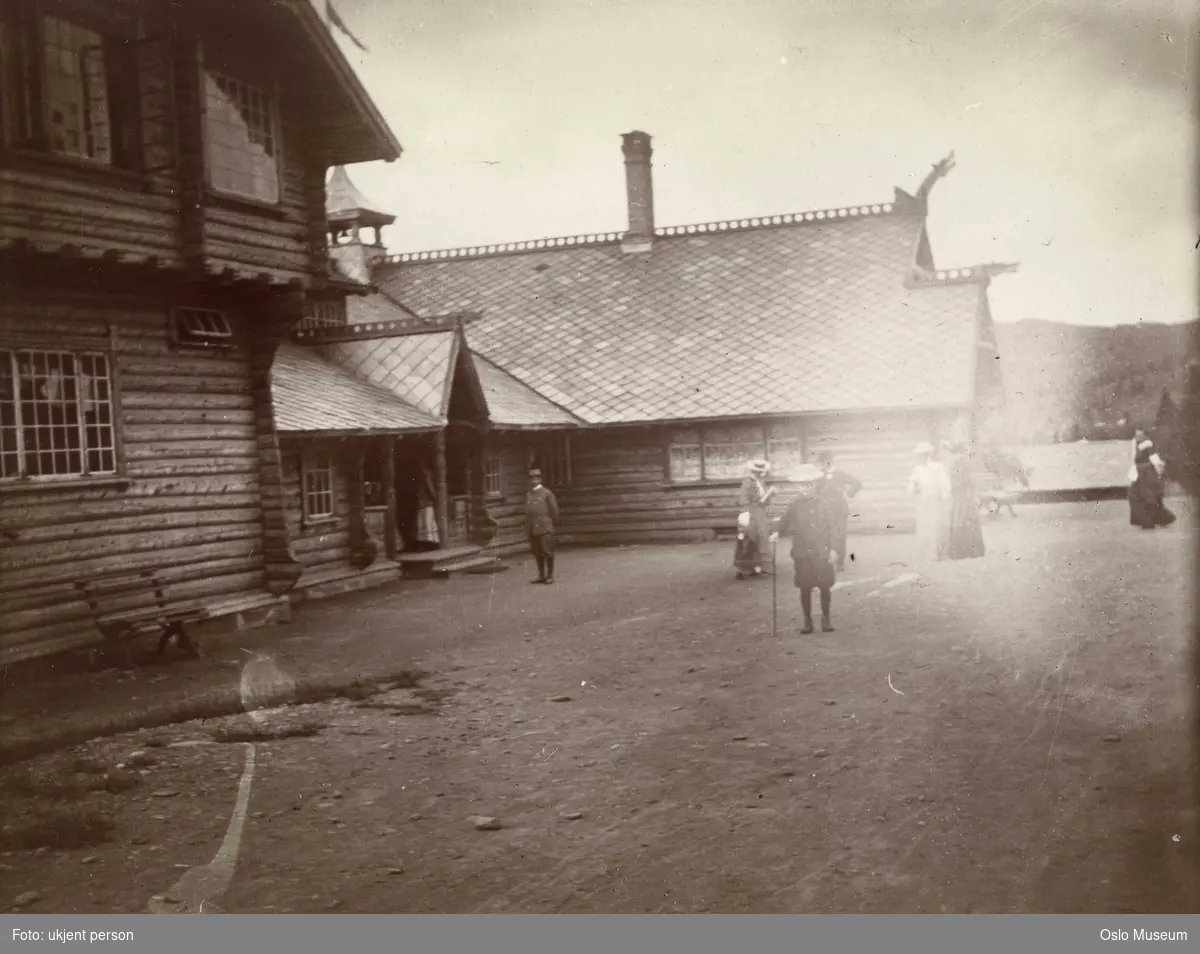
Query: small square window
point(202, 327)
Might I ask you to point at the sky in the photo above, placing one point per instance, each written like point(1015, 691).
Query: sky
point(1071, 121)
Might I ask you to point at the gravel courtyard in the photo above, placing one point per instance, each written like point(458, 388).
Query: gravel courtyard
point(1000, 735)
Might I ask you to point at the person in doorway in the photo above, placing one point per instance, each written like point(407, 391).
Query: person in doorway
point(930, 484)
point(754, 526)
point(810, 523)
point(541, 518)
point(427, 528)
point(966, 534)
point(837, 488)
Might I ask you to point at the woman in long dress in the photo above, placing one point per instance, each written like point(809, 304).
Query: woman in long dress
point(1146, 507)
point(930, 484)
point(966, 534)
point(754, 526)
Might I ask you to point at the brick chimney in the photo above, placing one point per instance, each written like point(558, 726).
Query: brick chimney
point(639, 192)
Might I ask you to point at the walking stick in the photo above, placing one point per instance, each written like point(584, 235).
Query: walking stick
point(774, 591)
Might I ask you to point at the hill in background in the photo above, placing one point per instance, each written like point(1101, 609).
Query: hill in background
point(1066, 382)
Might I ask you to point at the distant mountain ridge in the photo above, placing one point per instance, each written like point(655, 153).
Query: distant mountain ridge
point(1066, 382)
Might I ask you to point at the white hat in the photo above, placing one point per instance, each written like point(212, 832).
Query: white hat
point(807, 474)
point(923, 448)
point(758, 466)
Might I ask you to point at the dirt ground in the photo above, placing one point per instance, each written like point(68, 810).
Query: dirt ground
point(999, 735)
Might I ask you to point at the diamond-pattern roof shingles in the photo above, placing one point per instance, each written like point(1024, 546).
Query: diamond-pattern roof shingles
point(313, 396)
point(797, 319)
point(416, 368)
point(365, 309)
point(512, 404)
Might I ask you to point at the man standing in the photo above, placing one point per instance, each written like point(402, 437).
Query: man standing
point(541, 516)
point(811, 525)
point(837, 488)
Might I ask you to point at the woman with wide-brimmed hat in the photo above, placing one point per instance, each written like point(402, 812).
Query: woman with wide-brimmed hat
point(754, 526)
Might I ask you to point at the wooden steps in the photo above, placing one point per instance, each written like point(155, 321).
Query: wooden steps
point(476, 565)
point(319, 583)
point(430, 563)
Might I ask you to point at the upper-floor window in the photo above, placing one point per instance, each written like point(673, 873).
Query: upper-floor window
point(242, 138)
point(71, 89)
point(56, 415)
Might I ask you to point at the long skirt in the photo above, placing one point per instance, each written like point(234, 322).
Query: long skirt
point(1146, 507)
point(966, 535)
point(931, 528)
point(753, 545)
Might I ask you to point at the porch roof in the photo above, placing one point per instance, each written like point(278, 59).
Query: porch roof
point(315, 397)
point(515, 406)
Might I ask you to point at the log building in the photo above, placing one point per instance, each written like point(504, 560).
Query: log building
point(383, 413)
point(683, 351)
point(162, 233)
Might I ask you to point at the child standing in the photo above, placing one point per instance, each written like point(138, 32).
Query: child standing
point(810, 523)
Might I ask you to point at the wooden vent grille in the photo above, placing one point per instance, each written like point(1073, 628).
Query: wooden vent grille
point(202, 326)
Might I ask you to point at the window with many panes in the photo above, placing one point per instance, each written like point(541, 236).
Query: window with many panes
point(318, 484)
point(493, 476)
point(57, 415)
point(69, 87)
point(721, 452)
point(242, 138)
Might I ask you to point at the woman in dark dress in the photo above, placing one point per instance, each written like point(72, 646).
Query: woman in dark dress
point(1146, 508)
point(966, 534)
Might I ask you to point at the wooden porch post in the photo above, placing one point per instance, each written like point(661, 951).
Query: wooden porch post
point(363, 549)
point(391, 532)
point(442, 492)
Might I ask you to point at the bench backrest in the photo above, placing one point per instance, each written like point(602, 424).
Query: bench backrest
point(123, 593)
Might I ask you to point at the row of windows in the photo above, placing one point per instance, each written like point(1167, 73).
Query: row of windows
point(75, 91)
point(552, 456)
point(720, 453)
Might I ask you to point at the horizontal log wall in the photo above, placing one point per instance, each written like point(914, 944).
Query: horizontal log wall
point(273, 242)
point(47, 201)
point(191, 508)
point(322, 546)
point(508, 510)
point(620, 488)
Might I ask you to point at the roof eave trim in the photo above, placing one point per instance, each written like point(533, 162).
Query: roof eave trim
point(336, 60)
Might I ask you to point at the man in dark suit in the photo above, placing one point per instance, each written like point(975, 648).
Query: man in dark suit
point(541, 516)
point(836, 488)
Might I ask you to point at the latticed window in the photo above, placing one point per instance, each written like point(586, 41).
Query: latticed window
point(241, 130)
point(56, 415)
point(325, 314)
point(318, 485)
point(721, 453)
point(493, 476)
point(69, 88)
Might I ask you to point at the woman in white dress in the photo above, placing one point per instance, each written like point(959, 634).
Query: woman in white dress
point(929, 482)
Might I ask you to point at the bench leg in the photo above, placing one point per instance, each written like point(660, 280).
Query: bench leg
point(114, 651)
point(182, 640)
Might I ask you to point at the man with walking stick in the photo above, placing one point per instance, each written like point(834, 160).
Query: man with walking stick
point(812, 526)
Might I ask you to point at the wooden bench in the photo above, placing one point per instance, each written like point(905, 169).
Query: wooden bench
point(132, 605)
point(992, 493)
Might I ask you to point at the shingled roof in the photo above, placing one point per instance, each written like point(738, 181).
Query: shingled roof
point(785, 315)
point(315, 397)
point(512, 405)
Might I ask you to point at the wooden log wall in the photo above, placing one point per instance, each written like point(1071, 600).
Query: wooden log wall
point(323, 545)
point(191, 507)
point(168, 212)
point(508, 510)
point(620, 489)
